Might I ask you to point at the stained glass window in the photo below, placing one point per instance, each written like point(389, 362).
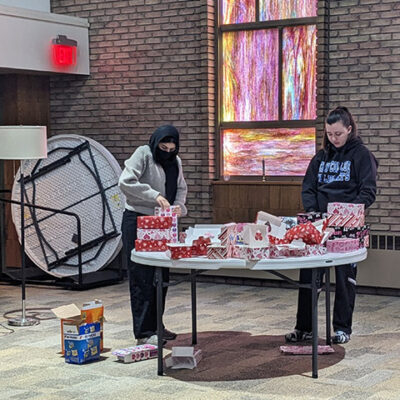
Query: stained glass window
point(250, 75)
point(238, 11)
point(285, 151)
point(267, 86)
point(271, 10)
point(299, 72)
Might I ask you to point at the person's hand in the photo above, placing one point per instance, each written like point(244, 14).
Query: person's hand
point(178, 211)
point(162, 202)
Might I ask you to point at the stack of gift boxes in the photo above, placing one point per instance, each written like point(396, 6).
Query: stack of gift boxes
point(350, 231)
point(155, 231)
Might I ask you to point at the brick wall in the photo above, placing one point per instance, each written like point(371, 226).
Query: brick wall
point(151, 64)
point(364, 74)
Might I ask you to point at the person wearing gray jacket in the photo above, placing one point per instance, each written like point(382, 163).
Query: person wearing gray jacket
point(152, 177)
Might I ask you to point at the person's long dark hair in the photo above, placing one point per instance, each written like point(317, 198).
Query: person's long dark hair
point(343, 115)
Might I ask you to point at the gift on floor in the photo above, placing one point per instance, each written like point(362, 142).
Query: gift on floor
point(136, 353)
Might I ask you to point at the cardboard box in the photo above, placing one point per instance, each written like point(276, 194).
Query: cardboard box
point(72, 317)
point(183, 357)
point(82, 342)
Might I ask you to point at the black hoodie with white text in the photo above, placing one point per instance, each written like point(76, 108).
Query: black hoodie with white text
point(346, 174)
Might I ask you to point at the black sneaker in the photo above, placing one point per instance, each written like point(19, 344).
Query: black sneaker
point(168, 335)
point(298, 336)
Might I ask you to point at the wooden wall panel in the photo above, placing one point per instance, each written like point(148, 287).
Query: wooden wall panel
point(24, 100)
point(240, 201)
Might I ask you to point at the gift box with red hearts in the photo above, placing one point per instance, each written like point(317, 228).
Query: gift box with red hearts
point(308, 233)
point(151, 245)
point(199, 246)
point(345, 209)
point(154, 222)
point(153, 234)
point(179, 250)
point(255, 253)
point(170, 212)
point(342, 245)
point(255, 235)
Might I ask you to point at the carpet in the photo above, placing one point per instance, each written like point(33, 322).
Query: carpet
point(233, 356)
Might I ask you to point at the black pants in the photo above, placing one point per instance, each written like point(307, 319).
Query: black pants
point(142, 285)
point(345, 296)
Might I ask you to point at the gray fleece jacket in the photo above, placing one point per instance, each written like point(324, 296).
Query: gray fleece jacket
point(142, 180)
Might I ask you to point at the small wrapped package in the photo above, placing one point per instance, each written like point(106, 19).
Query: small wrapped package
point(183, 357)
point(342, 245)
point(179, 250)
point(154, 222)
point(151, 245)
point(136, 353)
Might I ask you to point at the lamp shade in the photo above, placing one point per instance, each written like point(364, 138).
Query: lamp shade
point(21, 142)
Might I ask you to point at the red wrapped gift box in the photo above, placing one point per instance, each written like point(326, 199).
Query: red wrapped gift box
point(154, 222)
point(199, 246)
point(179, 250)
point(151, 245)
point(306, 232)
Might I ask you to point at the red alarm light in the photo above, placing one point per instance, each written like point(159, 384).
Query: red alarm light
point(64, 51)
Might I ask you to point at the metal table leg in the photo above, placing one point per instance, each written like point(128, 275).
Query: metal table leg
point(328, 305)
point(314, 292)
point(194, 306)
point(160, 328)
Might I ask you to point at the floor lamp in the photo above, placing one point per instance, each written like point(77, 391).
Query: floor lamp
point(22, 143)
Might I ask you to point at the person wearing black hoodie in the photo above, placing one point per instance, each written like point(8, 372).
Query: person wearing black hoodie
point(344, 170)
point(152, 177)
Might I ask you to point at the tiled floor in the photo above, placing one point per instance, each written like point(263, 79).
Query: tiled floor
point(368, 367)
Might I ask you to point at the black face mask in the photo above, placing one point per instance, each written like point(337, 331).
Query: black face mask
point(164, 156)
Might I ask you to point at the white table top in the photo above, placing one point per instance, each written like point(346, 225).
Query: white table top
point(160, 259)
